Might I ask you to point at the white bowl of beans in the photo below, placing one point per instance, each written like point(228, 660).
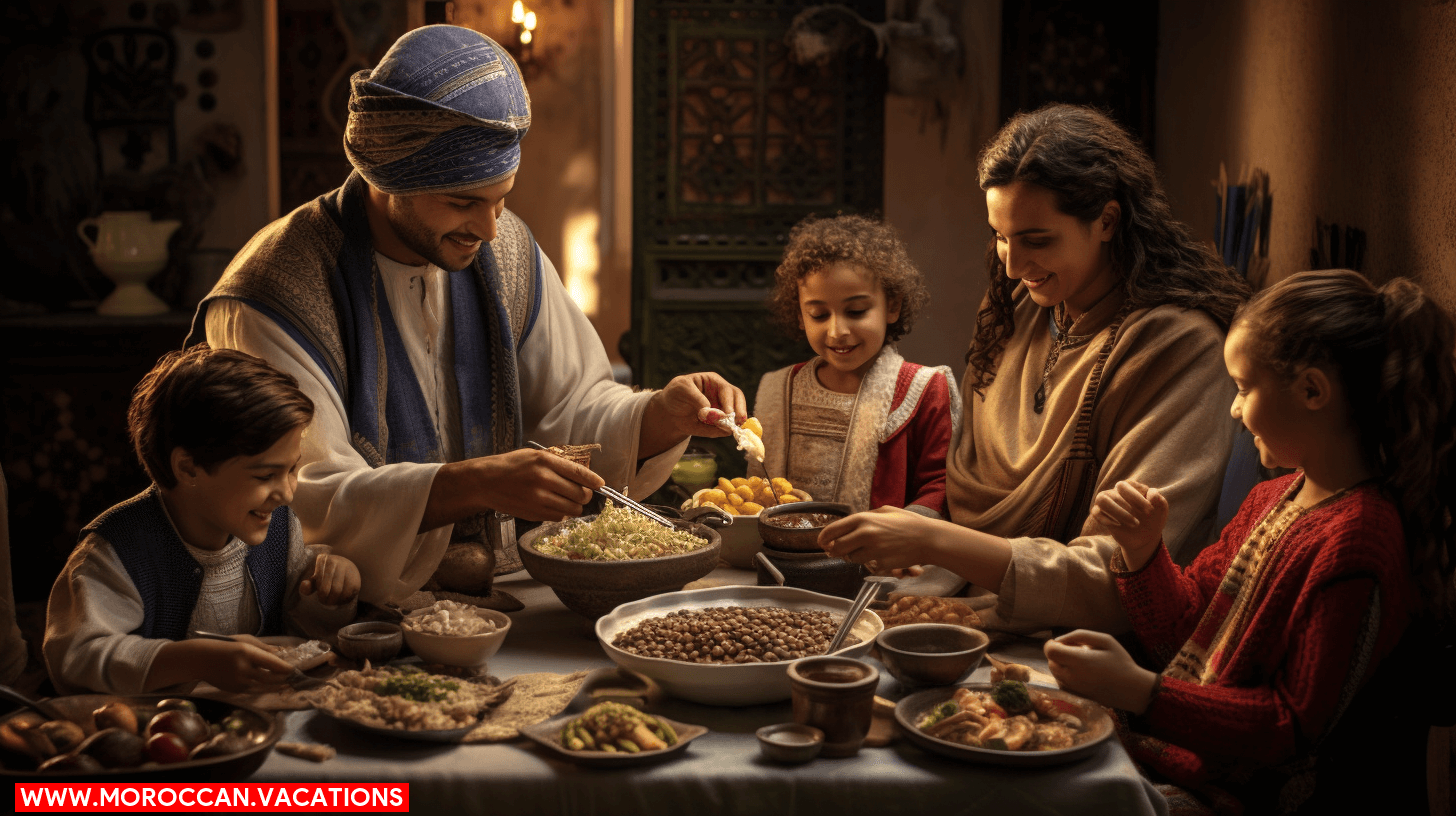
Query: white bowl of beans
point(745, 639)
point(455, 634)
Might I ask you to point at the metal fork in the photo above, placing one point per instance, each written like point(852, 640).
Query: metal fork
point(620, 498)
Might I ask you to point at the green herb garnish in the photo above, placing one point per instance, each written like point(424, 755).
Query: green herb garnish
point(413, 684)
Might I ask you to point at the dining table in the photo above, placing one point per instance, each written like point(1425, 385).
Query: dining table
point(722, 771)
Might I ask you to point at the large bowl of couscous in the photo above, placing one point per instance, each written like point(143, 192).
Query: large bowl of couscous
point(596, 563)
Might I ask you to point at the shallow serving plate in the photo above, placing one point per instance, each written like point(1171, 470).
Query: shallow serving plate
point(289, 641)
point(548, 734)
point(917, 705)
point(416, 735)
point(735, 684)
point(421, 735)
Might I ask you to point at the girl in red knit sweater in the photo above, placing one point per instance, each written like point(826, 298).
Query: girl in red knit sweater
point(1271, 638)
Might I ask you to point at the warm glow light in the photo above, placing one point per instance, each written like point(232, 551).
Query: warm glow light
point(518, 12)
point(525, 38)
point(530, 21)
point(583, 259)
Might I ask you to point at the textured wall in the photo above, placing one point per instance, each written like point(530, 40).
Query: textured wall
point(932, 198)
point(1351, 108)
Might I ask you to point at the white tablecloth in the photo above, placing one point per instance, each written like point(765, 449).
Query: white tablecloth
point(721, 772)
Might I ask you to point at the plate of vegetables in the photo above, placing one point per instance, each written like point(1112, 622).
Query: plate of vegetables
point(612, 735)
point(1008, 723)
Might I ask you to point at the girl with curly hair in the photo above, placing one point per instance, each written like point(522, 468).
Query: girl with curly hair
point(1096, 358)
point(1270, 633)
point(857, 424)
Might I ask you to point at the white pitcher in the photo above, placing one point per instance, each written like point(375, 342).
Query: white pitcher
point(129, 248)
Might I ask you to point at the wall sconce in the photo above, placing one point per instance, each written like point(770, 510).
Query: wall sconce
point(522, 46)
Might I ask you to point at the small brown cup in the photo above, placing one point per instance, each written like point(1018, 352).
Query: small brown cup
point(837, 696)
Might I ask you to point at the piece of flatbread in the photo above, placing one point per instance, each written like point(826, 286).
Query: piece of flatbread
point(538, 697)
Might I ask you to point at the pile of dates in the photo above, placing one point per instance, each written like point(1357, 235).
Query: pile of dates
point(130, 735)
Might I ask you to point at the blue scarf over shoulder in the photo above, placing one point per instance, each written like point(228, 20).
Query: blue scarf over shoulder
point(313, 273)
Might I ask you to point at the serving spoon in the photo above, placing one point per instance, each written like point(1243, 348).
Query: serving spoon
point(19, 697)
point(867, 592)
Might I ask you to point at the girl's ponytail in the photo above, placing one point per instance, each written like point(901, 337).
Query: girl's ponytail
point(1393, 351)
point(1418, 434)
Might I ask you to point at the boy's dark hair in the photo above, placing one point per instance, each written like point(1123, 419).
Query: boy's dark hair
point(213, 403)
point(874, 246)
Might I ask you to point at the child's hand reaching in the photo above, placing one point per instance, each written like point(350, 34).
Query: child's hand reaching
point(1134, 515)
point(1096, 666)
point(334, 578)
point(228, 664)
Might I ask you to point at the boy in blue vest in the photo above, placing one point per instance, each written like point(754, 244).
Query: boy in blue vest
point(210, 546)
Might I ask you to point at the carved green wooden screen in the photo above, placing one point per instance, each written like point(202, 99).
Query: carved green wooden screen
point(733, 143)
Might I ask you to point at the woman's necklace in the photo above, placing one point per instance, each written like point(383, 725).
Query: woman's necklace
point(1060, 340)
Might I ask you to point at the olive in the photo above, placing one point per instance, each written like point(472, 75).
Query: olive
point(64, 734)
point(189, 725)
point(236, 723)
point(80, 763)
point(115, 715)
point(176, 704)
point(115, 748)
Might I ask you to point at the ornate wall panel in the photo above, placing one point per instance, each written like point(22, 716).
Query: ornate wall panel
point(733, 144)
point(1099, 54)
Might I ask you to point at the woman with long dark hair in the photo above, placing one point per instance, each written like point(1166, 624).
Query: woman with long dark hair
point(1097, 358)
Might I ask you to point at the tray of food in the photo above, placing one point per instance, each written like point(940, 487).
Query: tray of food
point(1009, 723)
point(409, 703)
point(613, 735)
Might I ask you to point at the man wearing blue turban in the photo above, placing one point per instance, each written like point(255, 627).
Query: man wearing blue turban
point(435, 337)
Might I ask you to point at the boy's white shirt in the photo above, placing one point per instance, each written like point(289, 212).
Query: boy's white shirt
point(94, 608)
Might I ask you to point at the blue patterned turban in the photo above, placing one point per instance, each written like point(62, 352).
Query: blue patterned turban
point(443, 111)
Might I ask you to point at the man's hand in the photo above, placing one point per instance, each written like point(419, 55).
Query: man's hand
point(334, 578)
point(1096, 666)
point(1134, 515)
point(685, 408)
point(527, 483)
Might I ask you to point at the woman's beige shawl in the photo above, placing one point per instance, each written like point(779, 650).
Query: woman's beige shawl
point(1162, 418)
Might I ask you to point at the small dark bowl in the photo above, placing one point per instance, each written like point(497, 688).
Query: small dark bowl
point(797, 539)
point(931, 654)
point(375, 641)
point(790, 743)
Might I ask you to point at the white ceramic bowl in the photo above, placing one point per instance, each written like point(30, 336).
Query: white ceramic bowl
point(733, 684)
point(457, 650)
